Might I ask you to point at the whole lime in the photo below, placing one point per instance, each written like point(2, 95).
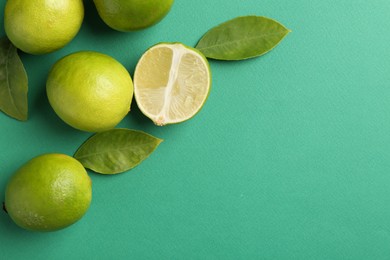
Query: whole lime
point(49, 192)
point(90, 91)
point(42, 26)
point(129, 15)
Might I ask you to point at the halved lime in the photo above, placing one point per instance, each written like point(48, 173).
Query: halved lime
point(171, 83)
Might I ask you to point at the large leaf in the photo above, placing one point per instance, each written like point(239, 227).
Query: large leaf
point(13, 82)
point(115, 151)
point(242, 38)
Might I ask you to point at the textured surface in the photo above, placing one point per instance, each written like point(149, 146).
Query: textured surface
point(42, 26)
point(288, 159)
point(130, 15)
point(89, 90)
point(49, 192)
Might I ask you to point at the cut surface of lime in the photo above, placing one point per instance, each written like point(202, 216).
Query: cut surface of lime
point(171, 83)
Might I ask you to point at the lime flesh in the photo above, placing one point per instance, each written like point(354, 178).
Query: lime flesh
point(171, 83)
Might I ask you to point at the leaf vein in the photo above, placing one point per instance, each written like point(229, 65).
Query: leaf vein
point(108, 151)
point(10, 92)
point(240, 40)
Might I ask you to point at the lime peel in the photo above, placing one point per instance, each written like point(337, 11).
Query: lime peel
point(48, 193)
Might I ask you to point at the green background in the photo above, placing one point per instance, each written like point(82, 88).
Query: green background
point(288, 159)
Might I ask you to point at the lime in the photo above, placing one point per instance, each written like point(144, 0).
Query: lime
point(42, 26)
point(50, 192)
point(171, 83)
point(90, 91)
point(129, 15)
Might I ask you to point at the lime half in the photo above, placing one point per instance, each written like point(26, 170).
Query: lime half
point(171, 83)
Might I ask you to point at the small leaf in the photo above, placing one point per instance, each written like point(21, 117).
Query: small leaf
point(13, 82)
point(242, 38)
point(116, 150)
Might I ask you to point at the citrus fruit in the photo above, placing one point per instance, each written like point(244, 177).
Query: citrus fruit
point(49, 192)
point(42, 26)
point(129, 15)
point(171, 83)
point(90, 91)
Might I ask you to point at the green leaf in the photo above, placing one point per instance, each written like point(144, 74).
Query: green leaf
point(242, 38)
point(13, 82)
point(116, 150)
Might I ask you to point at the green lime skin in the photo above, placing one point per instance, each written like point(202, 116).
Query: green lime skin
point(48, 193)
point(89, 91)
point(42, 26)
point(130, 15)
